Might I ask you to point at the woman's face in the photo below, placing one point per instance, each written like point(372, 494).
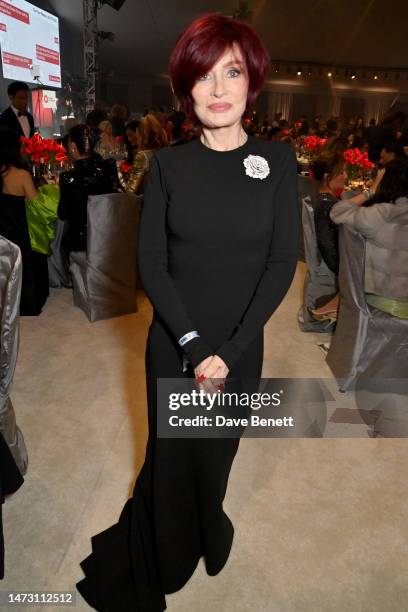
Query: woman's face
point(337, 182)
point(106, 128)
point(386, 157)
point(132, 137)
point(220, 96)
point(73, 149)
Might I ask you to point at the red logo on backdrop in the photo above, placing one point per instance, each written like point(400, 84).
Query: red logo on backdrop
point(3, 27)
point(17, 60)
point(47, 55)
point(13, 11)
point(54, 78)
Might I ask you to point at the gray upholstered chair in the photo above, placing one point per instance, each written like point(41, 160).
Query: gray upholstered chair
point(58, 265)
point(306, 188)
point(105, 277)
point(10, 294)
point(368, 344)
point(319, 281)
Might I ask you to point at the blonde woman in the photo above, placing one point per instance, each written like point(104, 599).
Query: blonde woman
point(150, 136)
point(108, 146)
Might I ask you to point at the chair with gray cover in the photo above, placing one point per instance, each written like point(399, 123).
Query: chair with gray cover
point(58, 265)
point(306, 187)
point(105, 277)
point(320, 282)
point(10, 294)
point(368, 344)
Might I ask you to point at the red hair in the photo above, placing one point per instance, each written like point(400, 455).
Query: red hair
point(201, 45)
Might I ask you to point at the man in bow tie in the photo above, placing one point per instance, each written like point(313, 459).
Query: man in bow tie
point(16, 115)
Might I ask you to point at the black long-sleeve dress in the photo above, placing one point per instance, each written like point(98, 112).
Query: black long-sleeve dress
point(217, 253)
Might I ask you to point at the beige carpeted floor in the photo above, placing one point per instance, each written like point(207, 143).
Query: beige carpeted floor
point(320, 524)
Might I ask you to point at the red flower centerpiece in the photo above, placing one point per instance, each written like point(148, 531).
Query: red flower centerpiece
point(38, 150)
point(314, 143)
point(310, 146)
point(357, 163)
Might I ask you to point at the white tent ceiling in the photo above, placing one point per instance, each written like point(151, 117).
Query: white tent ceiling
point(343, 32)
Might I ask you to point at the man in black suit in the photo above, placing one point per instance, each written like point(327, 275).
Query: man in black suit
point(16, 115)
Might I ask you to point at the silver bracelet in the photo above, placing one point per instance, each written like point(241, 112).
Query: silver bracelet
point(193, 334)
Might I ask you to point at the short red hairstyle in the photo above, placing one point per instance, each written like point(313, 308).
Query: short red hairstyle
point(201, 45)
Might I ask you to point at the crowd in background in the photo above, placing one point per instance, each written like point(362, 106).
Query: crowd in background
point(354, 133)
point(112, 150)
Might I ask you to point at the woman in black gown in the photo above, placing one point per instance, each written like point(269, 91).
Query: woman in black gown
point(16, 185)
point(90, 175)
point(217, 254)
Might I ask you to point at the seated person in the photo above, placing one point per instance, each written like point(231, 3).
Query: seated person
point(25, 219)
point(147, 137)
point(329, 172)
point(384, 224)
point(91, 175)
point(108, 146)
point(132, 139)
point(390, 151)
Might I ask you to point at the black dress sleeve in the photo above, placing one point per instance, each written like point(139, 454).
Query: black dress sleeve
point(279, 267)
point(327, 236)
point(153, 267)
point(68, 195)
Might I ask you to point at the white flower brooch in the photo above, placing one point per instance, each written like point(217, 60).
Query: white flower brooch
point(256, 166)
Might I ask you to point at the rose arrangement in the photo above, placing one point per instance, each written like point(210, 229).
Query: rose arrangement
point(313, 143)
point(355, 157)
point(356, 162)
point(39, 150)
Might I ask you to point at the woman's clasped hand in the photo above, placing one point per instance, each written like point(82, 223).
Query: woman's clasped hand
point(211, 374)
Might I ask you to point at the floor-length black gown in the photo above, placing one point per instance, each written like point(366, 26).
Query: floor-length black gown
point(14, 227)
point(217, 253)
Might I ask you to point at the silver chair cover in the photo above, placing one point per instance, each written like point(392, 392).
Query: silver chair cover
point(307, 187)
point(58, 265)
point(10, 294)
point(368, 343)
point(105, 277)
point(319, 280)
